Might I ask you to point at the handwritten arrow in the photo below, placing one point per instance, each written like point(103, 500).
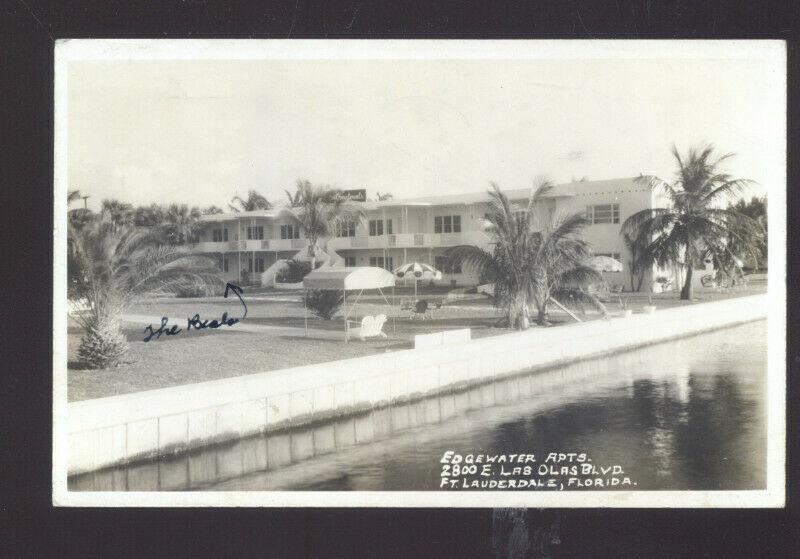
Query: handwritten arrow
point(238, 291)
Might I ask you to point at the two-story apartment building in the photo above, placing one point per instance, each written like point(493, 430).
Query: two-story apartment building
point(399, 231)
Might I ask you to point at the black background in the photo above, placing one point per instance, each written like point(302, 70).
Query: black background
point(30, 527)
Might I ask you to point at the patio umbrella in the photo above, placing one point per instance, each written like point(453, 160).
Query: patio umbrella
point(605, 264)
point(417, 271)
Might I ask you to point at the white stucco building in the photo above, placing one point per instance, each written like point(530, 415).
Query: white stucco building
point(399, 231)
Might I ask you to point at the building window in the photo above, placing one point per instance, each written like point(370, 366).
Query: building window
point(290, 232)
point(388, 226)
point(346, 229)
point(255, 233)
point(603, 213)
point(219, 235)
point(447, 224)
point(257, 265)
point(375, 227)
point(444, 265)
point(381, 262)
point(349, 261)
point(223, 263)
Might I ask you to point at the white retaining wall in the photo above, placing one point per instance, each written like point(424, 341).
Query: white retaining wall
point(121, 429)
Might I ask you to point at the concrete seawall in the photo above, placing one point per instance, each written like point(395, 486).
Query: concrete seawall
point(127, 428)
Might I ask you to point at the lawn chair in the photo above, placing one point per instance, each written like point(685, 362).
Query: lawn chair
point(371, 327)
point(420, 310)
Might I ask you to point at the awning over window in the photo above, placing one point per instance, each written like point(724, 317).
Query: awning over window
point(349, 279)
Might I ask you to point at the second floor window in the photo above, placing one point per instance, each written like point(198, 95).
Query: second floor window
point(255, 233)
point(447, 224)
point(346, 230)
point(375, 227)
point(603, 213)
point(290, 231)
point(219, 235)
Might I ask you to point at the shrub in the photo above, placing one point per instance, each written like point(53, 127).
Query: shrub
point(324, 303)
point(191, 290)
point(294, 273)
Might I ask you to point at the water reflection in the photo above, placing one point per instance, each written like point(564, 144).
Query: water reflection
point(688, 414)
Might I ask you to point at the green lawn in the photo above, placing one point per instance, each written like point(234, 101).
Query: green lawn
point(198, 356)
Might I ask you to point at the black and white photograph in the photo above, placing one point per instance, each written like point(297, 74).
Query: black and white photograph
point(419, 273)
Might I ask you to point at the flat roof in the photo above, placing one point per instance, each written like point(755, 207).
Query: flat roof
point(559, 191)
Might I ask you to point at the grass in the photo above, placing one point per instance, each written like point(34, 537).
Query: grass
point(197, 356)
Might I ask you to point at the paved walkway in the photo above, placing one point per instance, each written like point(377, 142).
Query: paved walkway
point(243, 326)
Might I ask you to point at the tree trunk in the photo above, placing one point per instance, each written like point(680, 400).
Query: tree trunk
point(687, 292)
point(598, 304)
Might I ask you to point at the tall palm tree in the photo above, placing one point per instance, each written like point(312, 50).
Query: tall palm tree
point(117, 213)
point(181, 223)
point(695, 222)
point(319, 210)
point(254, 201)
point(534, 254)
point(211, 210)
point(114, 266)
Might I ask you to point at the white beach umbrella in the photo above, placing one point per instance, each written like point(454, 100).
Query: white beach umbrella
point(605, 264)
point(417, 271)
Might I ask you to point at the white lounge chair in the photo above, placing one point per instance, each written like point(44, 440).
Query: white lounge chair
point(371, 326)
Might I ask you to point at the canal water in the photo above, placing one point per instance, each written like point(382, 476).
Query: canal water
point(686, 414)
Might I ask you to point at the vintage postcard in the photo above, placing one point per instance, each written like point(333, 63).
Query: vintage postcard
point(419, 273)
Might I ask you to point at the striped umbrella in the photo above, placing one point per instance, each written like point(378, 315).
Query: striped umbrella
point(417, 271)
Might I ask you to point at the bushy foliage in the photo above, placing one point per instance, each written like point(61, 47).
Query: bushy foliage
point(324, 303)
point(191, 290)
point(294, 273)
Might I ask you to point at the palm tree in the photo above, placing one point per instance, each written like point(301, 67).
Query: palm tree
point(691, 228)
point(640, 260)
point(319, 210)
point(381, 196)
point(211, 210)
point(114, 266)
point(77, 217)
point(755, 209)
point(148, 216)
point(254, 201)
point(535, 254)
point(117, 213)
point(181, 223)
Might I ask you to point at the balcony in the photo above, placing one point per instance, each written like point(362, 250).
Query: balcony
point(410, 240)
point(249, 246)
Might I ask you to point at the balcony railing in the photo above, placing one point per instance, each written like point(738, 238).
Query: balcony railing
point(409, 240)
point(249, 245)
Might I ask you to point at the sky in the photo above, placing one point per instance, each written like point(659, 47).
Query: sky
point(203, 131)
